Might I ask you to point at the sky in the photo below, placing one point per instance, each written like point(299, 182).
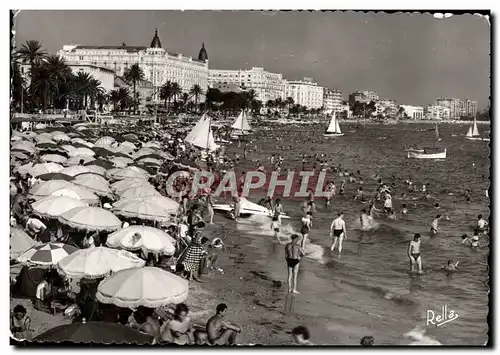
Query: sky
point(409, 58)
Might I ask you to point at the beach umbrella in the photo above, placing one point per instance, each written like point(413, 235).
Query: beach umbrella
point(95, 332)
point(169, 205)
point(128, 144)
point(47, 187)
point(68, 149)
point(75, 170)
point(76, 160)
point(148, 286)
point(131, 137)
point(51, 147)
point(16, 138)
point(55, 176)
point(144, 151)
point(103, 163)
point(60, 136)
point(91, 218)
point(127, 173)
point(40, 126)
point(121, 162)
point(125, 150)
point(44, 138)
point(126, 184)
point(151, 161)
point(77, 192)
point(82, 151)
point(139, 208)
point(96, 169)
point(55, 158)
point(122, 154)
point(54, 206)
point(39, 169)
point(94, 263)
point(152, 144)
point(19, 155)
point(46, 254)
point(102, 152)
point(94, 185)
point(82, 141)
point(138, 192)
point(24, 146)
point(104, 141)
point(151, 240)
point(93, 176)
point(19, 242)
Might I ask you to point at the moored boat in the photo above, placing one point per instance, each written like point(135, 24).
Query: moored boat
point(333, 129)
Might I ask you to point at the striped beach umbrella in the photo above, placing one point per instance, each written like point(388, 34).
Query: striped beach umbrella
point(46, 254)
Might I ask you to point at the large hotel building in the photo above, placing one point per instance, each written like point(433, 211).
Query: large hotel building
point(158, 65)
point(267, 86)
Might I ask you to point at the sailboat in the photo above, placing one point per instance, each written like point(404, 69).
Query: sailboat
point(201, 135)
point(473, 133)
point(333, 129)
point(241, 126)
point(418, 154)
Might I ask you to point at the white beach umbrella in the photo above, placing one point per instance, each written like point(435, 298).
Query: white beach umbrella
point(45, 188)
point(91, 218)
point(79, 193)
point(148, 286)
point(142, 209)
point(93, 263)
point(105, 141)
point(75, 170)
point(81, 151)
point(76, 160)
point(55, 158)
point(20, 242)
point(93, 184)
point(54, 206)
point(121, 162)
point(39, 169)
point(149, 239)
point(138, 192)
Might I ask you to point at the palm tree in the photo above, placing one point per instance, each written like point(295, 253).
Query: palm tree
point(289, 102)
point(18, 82)
point(166, 92)
point(114, 97)
point(42, 84)
point(133, 75)
point(83, 88)
point(176, 91)
point(124, 98)
point(94, 90)
point(31, 52)
point(196, 91)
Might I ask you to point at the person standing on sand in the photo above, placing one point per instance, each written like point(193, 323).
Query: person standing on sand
point(219, 331)
point(338, 231)
point(293, 254)
point(414, 253)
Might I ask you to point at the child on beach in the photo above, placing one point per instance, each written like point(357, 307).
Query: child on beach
point(275, 226)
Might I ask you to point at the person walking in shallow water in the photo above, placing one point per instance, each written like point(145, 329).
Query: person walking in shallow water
point(338, 232)
point(293, 254)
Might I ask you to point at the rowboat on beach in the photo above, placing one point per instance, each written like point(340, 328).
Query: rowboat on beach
point(247, 209)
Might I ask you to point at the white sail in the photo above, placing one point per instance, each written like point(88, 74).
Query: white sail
point(475, 131)
point(241, 123)
point(201, 135)
point(332, 127)
point(469, 132)
point(337, 127)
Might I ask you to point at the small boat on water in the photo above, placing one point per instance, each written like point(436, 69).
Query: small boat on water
point(426, 155)
point(247, 209)
point(473, 133)
point(333, 129)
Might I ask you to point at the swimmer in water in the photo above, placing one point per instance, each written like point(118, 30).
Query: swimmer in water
point(306, 228)
point(414, 253)
point(338, 232)
point(451, 266)
point(392, 215)
point(364, 220)
point(434, 225)
point(405, 209)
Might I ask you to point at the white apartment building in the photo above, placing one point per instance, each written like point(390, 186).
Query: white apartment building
point(413, 112)
point(332, 100)
point(436, 112)
point(159, 66)
point(104, 75)
point(306, 93)
point(267, 86)
point(453, 104)
point(469, 107)
point(386, 107)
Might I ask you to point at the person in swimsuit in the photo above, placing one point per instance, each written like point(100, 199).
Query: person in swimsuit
point(178, 330)
point(219, 331)
point(338, 231)
point(481, 224)
point(278, 210)
point(20, 323)
point(451, 266)
point(414, 254)
point(364, 220)
point(306, 228)
point(275, 226)
point(293, 253)
point(434, 225)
